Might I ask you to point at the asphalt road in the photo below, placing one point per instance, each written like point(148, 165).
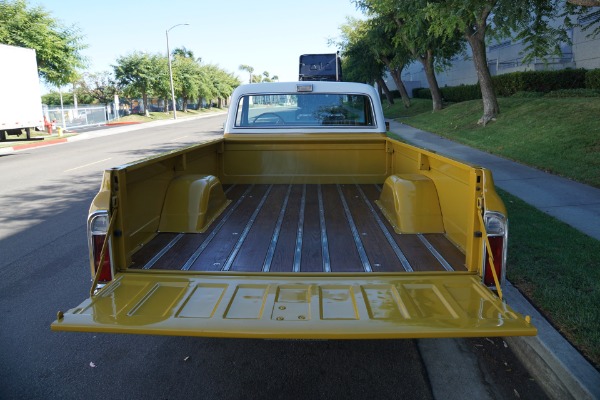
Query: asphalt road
point(44, 197)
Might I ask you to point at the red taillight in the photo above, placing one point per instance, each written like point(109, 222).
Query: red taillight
point(497, 245)
point(97, 243)
point(496, 228)
point(97, 234)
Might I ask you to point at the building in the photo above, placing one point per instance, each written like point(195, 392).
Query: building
point(504, 57)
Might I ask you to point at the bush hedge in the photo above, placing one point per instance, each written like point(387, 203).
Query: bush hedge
point(538, 81)
point(573, 93)
point(592, 79)
point(528, 81)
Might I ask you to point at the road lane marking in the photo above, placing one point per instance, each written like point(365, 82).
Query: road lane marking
point(87, 165)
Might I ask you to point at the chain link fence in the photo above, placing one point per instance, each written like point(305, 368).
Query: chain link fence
point(83, 115)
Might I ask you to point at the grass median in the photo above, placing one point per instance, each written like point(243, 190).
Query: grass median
point(553, 264)
point(557, 135)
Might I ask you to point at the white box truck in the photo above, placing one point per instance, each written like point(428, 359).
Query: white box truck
point(20, 94)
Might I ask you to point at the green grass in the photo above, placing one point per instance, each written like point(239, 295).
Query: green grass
point(397, 110)
point(558, 268)
point(558, 135)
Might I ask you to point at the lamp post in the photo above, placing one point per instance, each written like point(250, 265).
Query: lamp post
point(171, 70)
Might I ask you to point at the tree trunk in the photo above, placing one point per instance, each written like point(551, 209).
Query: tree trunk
point(386, 90)
point(436, 94)
point(490, 102)
point(145, 100)
point(184, 106)
point(396, 74)
point(220, 102)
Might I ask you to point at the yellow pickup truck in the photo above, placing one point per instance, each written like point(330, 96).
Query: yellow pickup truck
point(304, 221)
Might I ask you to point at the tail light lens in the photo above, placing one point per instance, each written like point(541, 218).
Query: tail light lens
point(97, 235)
point(496, 227)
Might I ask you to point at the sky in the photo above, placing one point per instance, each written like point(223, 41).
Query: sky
point(268, 35)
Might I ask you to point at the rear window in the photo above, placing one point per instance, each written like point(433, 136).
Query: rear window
point(304, 109)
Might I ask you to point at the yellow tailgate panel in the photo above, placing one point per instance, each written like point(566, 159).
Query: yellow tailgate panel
point(415, 305)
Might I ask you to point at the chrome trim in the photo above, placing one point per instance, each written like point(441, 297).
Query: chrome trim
point(324, 241)
point(502, 277)
point(357, 240)
point(300, 232)
point(244, 234)
point(403, 260)
point(212, 235)
point(162, 252)
point(275, 238)
point(91, 217)
point(435, 253)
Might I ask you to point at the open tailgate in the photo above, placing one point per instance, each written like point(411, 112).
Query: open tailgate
point(332, 306)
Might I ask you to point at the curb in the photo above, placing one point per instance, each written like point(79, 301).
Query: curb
point(557, 366)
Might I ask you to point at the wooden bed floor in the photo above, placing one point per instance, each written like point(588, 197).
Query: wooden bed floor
point(301, 228)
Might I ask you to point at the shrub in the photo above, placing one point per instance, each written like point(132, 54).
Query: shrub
point(573, 93)
point(539, 81)
point(456, 94)
point(422, 93)
point(592, 79)
point(522, 94)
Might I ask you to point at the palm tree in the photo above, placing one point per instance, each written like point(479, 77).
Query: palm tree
point(248, 69)
point(182, 52)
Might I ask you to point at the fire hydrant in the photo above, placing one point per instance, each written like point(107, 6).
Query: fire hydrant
point(60, 131)
point(48, 126)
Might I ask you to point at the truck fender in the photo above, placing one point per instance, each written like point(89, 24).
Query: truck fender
point(192, 202)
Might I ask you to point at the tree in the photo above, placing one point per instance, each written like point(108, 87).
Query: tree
point(186, 78)
point(247, 68)
point(530, 20)
point(217, 83)
point(57, 46)
point(138, 73)
point(359, 61)
point(395, 57)
point(589, 11)
point(265, 77)
point(182, 52)
point(408, 19)
point(99, 86)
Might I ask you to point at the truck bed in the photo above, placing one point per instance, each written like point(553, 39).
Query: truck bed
point(300, 228)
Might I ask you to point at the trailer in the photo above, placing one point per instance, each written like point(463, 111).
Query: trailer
point(21, 101)
point(320, 67)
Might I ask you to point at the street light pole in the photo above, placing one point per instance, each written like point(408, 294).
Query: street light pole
point(171, 71)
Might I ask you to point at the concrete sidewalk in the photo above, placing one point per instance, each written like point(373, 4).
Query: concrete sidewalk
point(550, 358)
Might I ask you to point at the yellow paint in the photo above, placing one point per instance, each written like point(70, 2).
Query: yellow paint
point(192, 203)
point(308, 306)
point(410, 202)
point(181, 192)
